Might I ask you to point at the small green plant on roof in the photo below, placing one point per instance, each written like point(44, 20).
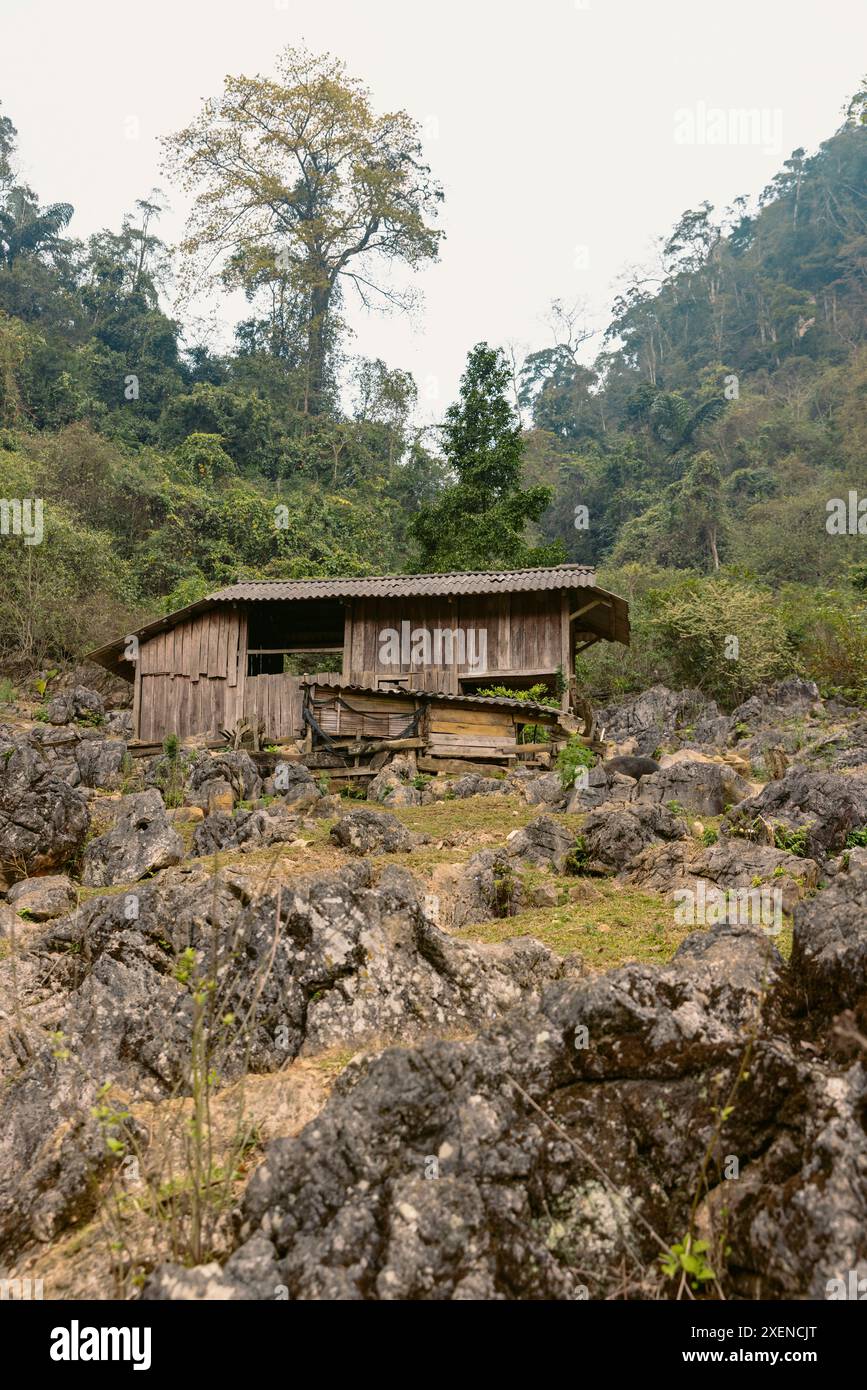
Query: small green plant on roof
point(536, 694)
point(570, 759)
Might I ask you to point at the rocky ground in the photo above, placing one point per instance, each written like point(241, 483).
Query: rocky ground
point(459, 1040)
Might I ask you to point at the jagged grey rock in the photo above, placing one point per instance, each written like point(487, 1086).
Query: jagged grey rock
point(432, 1174)
point(615, 834)
point(100, 762)
point(372, 832)
point(77, 703)
point(655, 717)
point(51, 895)
point(829, 950)
point(704, 788)
point(827, 806)
point(43, 821)
point(545, 842)
point(140, 842)
point(235, 767)
point(257, 829)
point(729, 864)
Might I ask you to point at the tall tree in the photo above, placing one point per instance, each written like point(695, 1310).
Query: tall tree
point(479, 522)
point(296, 176)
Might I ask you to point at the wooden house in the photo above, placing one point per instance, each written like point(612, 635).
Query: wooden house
point(367, 658)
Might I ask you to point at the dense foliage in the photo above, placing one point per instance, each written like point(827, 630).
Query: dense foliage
point(693, 460)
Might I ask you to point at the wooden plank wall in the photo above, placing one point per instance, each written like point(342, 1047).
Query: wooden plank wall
point(275, 701)
point(524, 634)
point(192, 676)
point(456, 726)
point(368, 716)
point(449, 728)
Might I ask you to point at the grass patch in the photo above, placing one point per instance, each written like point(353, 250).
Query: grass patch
point(606, 923)
point(496, 813)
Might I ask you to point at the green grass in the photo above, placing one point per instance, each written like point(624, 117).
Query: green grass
point(606, 923)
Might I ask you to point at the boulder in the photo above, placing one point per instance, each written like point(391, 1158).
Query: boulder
point(475, 785)
point(601, 786)
point(545, 790)
point(614, 835)
point(248, 830)
point(79, 703)
point(10, 922)
point(140, 842)
point(729, 864)
point(233, 766)
point(829, 950)
point(770, 708)
point(53, 1151)
point(527, 1164)
point(118, 724)
point(43, 821)
point(297, 786)
point(657, 717)
point(221, 797)
point(544, 843)
point(702, 787)
point(52, 895)
point(821, 807)
point(310, 965)
point(101, 762)
point(630, 765)
point(372, 832)
point(394, 777)
point(489, 885)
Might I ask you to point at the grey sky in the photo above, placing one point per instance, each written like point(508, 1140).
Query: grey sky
point(560, 130)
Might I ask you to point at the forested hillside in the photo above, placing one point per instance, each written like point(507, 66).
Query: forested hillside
point(693, 461)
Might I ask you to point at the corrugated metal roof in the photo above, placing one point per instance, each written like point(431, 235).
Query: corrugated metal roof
point(554, 577)
point(438, 697)
point(411, 585)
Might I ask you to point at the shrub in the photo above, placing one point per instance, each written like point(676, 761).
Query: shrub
point(574, 756)
point(694, 624)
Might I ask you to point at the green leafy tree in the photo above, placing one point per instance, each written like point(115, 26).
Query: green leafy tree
point(295, 178)
point(479, 522)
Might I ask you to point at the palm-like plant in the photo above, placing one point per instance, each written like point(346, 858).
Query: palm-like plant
point(26, 227)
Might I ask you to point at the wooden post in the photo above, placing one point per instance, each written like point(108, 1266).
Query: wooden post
point(566, 659)
point(136, 698)
point(347, 640)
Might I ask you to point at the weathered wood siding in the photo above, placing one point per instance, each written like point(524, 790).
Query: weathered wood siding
point(274, 701)
point(456, 728)
point(451, 730)
point(523, 635)
point(357, 715)
point(192, 676)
